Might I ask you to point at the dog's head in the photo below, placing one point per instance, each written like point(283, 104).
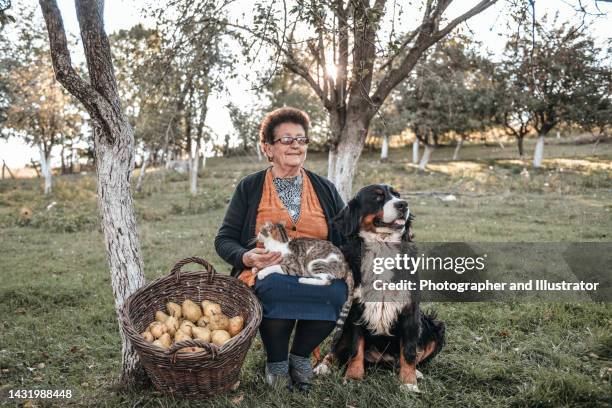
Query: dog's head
point(376, 209)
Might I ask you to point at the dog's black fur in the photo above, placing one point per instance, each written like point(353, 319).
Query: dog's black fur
point(413, 330)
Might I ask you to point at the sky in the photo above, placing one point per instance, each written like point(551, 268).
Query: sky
point(488, 27)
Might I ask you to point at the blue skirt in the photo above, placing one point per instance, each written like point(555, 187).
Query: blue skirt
point(283, 297)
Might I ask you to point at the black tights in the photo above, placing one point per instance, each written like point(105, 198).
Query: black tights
point(275, 334)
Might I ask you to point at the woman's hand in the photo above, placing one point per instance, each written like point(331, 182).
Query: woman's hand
point(260, 258)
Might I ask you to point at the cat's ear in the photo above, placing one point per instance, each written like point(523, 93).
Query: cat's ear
point(348, 220)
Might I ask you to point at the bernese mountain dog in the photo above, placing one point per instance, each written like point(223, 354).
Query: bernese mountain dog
point(395, 333)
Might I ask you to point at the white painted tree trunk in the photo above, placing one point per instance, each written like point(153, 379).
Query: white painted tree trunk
point(45, 169)
point(415, 151)
point(384, 152)
point(193, 170)
point(539, 152)
point(143, 169)
point(457, 148)
point(114, 165)
point(426, 156)
point(347, 156)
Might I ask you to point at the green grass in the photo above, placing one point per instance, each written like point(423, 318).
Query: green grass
point(59, 329)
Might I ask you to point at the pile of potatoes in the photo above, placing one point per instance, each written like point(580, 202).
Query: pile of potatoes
point(189, 321)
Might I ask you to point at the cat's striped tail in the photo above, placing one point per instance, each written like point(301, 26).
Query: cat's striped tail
point(346, 307)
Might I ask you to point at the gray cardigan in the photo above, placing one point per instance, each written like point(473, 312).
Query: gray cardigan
point(238, 228)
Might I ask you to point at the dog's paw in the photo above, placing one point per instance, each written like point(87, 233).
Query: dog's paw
point(411, 388)
point(419, 375)
point(321, 369)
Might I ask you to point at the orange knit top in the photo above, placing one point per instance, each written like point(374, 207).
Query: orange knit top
point(311, 222)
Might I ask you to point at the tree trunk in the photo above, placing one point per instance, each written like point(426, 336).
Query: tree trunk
point(114, 164)
point(539, 152)
point(415, 151)
point(63, 160)
point(193, 168)
point(350, 146)
point(114, 154)
point(143, 169)
point(384, 152)
point(426, 156)
point(45, 168)
point(457, 148)
point(519, 141)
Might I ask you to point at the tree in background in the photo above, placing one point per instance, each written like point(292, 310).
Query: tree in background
point(559, 77)
point(149, 95)
point(343, 53)
point(245, 122)
point(450, 94)
point(38, 110)
point(114, 151)
point(196, 62)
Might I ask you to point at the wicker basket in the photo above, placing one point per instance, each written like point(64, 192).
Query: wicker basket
point(192, 375)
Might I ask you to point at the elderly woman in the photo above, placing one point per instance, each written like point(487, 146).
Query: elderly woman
point(306, 203)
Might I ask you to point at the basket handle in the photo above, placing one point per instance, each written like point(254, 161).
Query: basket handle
point(210, 348)
point(176, 270)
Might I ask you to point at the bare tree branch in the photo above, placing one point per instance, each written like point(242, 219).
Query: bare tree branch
point(428, 35)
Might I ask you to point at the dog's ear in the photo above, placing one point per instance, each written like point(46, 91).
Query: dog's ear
point(348, 220)
point(408, 235)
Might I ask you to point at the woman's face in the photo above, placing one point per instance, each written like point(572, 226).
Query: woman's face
point(287, 156)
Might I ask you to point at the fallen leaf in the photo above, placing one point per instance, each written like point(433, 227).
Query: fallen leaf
point(237, 400)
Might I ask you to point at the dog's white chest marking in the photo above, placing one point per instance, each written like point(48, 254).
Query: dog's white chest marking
point(379, 317)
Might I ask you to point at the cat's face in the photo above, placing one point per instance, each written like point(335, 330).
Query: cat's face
point(272, 231)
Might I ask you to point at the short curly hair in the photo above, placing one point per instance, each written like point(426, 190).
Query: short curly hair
point(279, 116)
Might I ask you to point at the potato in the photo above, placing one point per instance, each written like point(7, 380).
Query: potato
point(166, 340)
point(202, 333)
point(219, 337)
point(187, 328)
point(218, 322)
point(147, 336)
point(203, 321)
point(172, 325)
point(235, 325)
point(180, 336)
point(211, 309)
point(187, 323)
point(174, 310)
point(160, 316)
point(157, 329)
point(191, 311)
point(158, 344)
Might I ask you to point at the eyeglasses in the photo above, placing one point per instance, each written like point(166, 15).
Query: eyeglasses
point(288, 140)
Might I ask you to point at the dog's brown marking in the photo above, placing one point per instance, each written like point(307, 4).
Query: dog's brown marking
point(407, 372)
point(367, 224)
point(355, 369)
point(316, 355)
point(424, 353)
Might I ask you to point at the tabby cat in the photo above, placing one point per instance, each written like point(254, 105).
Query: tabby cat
point(315, 261)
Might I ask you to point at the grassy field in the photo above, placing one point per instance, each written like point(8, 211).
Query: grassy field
point(58, 323)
